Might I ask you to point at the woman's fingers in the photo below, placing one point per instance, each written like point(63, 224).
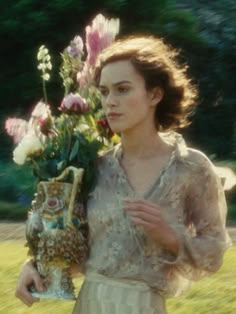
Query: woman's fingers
point(25, 296)
point(145, 216)
point(38, 282)
point(28, 277)
point(143, 209)
point(141, 222)
point(148, 215)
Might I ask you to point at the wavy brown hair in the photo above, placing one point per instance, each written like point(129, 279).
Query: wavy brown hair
point(158, 65)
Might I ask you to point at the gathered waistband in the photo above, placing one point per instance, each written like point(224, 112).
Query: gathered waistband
point(105, 295)
point(118, 282)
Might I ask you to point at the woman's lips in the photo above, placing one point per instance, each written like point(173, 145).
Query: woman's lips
point(114, 115)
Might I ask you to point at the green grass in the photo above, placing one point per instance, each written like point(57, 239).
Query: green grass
point(213, 295)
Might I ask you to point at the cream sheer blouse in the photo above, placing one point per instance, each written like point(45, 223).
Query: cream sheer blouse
point(193, 203)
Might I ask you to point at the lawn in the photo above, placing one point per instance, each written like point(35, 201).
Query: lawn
point(214, 295)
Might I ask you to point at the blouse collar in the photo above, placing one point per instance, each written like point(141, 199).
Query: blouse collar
point(173, 138)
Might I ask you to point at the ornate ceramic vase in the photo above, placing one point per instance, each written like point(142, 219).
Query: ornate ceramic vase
point(56, 233)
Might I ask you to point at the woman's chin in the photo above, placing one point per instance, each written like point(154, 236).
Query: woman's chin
point(115, 127)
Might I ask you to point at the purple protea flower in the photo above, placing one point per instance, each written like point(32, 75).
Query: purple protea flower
point(100, 35)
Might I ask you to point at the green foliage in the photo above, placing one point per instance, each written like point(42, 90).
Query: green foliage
point(16, 183)
point(213, 128)
point(13, 211)
point(232, 210)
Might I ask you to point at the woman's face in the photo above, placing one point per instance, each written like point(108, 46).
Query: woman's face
point(125, 100)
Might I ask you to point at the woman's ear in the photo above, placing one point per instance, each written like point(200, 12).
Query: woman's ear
point(156, 95)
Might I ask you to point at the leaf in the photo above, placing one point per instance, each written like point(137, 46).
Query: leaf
point(74, 150)
point(61, 165)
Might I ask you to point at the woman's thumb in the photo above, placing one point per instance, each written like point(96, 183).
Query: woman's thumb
point(38, 283)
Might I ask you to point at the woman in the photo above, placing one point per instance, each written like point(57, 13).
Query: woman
point(157, 214)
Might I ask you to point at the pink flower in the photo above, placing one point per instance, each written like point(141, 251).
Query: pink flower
point(76, 47)
point(74, 103)
point(84, 76)
point(40, 112)
point(17, 128)
point(99, 36)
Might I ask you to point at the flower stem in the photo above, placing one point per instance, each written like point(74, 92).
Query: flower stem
point(44, 91)
point(36, 166)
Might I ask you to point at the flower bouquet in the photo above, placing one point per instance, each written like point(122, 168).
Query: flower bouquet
point(61, 150)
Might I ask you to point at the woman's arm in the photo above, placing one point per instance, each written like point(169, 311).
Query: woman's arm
point(201, 253)
point(193, 255)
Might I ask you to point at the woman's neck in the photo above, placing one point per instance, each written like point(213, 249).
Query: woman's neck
point(143, 145)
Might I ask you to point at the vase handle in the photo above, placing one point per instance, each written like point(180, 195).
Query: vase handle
point(77, 178)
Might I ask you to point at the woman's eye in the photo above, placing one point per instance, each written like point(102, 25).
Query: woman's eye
point(123, 89)
point(103, 92)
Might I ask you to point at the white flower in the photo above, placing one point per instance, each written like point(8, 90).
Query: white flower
point(42, 67)
point(49, 65)
point(105, 26)
point(42, 53)
point(46, 77)
point(30, 145)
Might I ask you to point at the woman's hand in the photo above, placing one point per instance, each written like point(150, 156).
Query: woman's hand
point(28, 276)
point(148, 215)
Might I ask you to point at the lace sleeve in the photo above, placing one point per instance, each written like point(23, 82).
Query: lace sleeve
point(203, 242)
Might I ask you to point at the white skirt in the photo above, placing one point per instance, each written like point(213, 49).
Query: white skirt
point(103, 295)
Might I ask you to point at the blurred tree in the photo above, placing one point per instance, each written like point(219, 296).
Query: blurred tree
point(214, 65)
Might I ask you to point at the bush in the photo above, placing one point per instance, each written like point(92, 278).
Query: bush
point(13, 211)
point(232, 212)
point(16, 183)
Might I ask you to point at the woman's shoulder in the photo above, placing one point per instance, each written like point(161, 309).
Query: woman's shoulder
point(198, 158)
point(200, 168)
point(187, 155)
point(205, 166)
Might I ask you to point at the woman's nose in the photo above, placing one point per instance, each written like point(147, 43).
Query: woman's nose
point(111, 100)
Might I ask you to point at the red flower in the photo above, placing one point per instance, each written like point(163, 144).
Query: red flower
point(104, 129)
point(46, 126)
